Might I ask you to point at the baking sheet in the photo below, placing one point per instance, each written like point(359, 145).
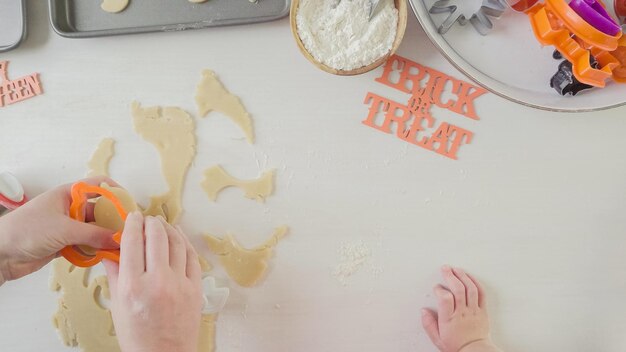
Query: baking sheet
point(85, 18)
point(12, 23)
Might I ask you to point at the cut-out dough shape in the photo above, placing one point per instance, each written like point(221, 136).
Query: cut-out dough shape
point(171, 131)
point(114, 6)
point(99, 162)
point(245, 266)
point(211, 95)
point(216, 179)
point(105, 213)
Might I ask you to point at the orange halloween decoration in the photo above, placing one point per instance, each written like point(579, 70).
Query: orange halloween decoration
point(13, 91)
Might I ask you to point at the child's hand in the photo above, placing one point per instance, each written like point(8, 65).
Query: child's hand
point(32, 235)
point(156, 294)
point(461, 323)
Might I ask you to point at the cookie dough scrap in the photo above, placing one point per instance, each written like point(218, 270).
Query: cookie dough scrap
point(99, 162)
point(114, 6)
point(245, 266)
point(80, 319)
point(211, 95)
point(216, 179)
point(171, 131)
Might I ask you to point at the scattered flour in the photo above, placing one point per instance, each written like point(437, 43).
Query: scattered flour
point(352, 258)
point(338, 34)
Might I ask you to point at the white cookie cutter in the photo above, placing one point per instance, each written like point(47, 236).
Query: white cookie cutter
point(11, 191)
point(214, 297)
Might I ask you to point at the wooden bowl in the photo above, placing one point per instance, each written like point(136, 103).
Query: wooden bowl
point(402, 16)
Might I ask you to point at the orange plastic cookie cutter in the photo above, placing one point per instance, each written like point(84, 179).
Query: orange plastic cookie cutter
point(620, 9)
point(555, 23)
point(619, 73)
point(84, 256)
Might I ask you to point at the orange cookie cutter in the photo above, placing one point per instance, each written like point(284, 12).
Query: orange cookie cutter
point(555, 23)
point(619, 73)
point(84, 256)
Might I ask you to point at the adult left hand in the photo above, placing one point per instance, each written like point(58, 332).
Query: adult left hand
point(32, 235)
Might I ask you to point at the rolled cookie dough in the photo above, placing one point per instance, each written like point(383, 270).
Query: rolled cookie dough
point(171, 131)
point(99, 162)
point(216, 179)
point(114, 6)
point(245, 266)
point(81, 321)
point(211, 95)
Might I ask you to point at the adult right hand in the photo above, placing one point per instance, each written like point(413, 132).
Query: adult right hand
point(156, 294)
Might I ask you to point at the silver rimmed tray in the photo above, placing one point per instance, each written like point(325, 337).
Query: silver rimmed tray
point(85, 18)
point(12, 23)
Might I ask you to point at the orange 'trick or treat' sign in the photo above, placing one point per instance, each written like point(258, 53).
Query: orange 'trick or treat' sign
point(413, 121)
point(86, 256)
point(13, 91)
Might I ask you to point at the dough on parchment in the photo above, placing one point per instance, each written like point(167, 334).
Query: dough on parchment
point(172, 131)
point(99, 163)
point(211, 95)
point(114, 6)
point(245, 266)
point(216, 179)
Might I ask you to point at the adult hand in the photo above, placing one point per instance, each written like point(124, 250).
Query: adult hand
point(156, 293)
point(32, 235)
point(461, 323)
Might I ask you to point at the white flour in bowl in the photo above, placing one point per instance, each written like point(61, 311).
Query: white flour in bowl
point(339, 35)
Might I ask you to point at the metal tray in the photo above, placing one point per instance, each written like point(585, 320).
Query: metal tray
point(12, 23)
point(511, 63)
point(85, 18)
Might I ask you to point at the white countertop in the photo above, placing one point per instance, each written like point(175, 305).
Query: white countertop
point(535, 206)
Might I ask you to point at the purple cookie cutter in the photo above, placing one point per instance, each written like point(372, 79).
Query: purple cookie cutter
point(594, 13)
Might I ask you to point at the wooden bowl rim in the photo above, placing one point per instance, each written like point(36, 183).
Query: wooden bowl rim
point(401, 5)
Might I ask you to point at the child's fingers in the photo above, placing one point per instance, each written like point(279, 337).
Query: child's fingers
point(470, 287)
point(177, 248)
point(479, 288)
point(431, 326)
point(113, 271)
point(132, 257)
point(157, 248)
point(455, 286)
point(194, 272)
point(445, 301)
